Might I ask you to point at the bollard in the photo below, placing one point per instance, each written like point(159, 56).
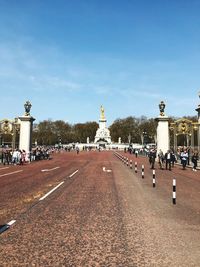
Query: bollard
point(135, 167)
point(174, 192)
point(142, 171)
point(127, 162)
point(131, 164)
point(124, 160)
point(154, 178)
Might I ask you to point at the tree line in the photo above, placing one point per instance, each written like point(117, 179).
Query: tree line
point(130, 129)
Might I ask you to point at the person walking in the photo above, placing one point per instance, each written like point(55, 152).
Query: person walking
point(168, 160)
point(152, 157)
point(161, 159)
point(184, 158)
point(195, 158)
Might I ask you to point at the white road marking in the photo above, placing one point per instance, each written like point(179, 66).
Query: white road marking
point(51, 191)
point(48, 170)
point(11, 222)
point(10, 173)
point(73, 173)
point(104, 169)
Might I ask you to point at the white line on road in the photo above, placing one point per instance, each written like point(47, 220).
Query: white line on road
point(11, 222)
point(51, 191)
point(73, 173)
point(48, 170)
point(10, 173)
point(104, 169)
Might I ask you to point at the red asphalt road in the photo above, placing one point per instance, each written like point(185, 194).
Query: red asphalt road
point(98, 218)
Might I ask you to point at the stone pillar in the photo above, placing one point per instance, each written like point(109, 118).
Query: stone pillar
point(26, 126)
point(162, 130)
point(25, 140)
point(163, 133)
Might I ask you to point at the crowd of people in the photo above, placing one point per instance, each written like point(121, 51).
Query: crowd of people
point(168, 159)
point(20, 157)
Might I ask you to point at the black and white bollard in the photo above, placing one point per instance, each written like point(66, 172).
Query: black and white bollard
point(174, 192)
point(131, 164)
point(142, 171)
point(124, 160)
point(135, 167)
point(127, 162)
point(154, 178)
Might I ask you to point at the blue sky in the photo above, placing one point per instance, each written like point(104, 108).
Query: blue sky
point(69, 57)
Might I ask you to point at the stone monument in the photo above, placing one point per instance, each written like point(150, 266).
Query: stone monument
point(162, 129)
point(26, 125)
point(102, 134)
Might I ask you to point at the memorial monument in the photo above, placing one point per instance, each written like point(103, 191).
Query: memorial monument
point(102, 133)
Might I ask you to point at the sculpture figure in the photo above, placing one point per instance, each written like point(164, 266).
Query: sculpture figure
point(162, 108)
point(102, 113)
point(27, 107)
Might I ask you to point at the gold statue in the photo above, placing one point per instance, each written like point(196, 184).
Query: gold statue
point(102, 113)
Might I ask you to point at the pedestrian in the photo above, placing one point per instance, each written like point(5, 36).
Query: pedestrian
point(152, 157)
point(184, 158)
point(195, 158)
point(174, 159)
point(161, 159)
point(136, 153)
point(168, 160)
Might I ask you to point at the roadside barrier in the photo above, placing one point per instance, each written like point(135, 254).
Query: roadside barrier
point(143, 171)
point(124, 160)
point(154, 178)
point(174, 192)
point(131, 164)
point(136, 167)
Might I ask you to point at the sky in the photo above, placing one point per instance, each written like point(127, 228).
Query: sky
point(69, 57)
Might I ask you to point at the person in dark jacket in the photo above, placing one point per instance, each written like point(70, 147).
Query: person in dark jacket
point(195, 158)
point(168, 160)
point(152, 157)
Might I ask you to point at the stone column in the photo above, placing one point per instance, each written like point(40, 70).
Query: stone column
point(163, 133)
point(162, 130)
point(25, 140)
point(26, 126)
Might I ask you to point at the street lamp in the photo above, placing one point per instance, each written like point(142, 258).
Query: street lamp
point(144, 133)
point(129, 139)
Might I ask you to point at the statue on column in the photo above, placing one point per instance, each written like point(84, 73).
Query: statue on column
point(102, 113)
point(27, 107)
point(162, 108)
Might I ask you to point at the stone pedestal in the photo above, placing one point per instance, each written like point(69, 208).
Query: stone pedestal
point(163, 134)
point(25, 140)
